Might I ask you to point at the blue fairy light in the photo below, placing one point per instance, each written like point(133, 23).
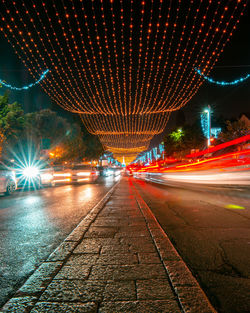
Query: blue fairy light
point(24, 87)
point(222, 83)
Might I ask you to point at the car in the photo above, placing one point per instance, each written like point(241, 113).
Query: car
point(62, 174)
point(105, 171)
point(36, 175)
point(83, 173)
point(115, 171)
point(8, 183)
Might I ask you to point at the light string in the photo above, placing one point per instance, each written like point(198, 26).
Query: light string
point(2, 82)
point(124, 66)
point(222, 83)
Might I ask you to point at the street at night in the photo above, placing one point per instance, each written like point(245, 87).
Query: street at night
point(124, 156)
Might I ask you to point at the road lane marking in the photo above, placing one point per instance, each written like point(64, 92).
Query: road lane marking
point(234, 207)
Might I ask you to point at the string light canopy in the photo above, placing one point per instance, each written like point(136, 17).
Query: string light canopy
point(124, 66)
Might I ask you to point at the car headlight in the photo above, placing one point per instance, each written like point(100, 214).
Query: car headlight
point(30, 172)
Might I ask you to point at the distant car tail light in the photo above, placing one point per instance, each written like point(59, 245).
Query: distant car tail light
point(83, 174)
point(62, 174)
point(47, 176)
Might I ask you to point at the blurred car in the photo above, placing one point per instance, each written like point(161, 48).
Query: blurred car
point(128, 172)
point(62, 174)
point(115, 171)
point(105, 171)
point(8, 183)
point(83, 173)
point(35, 175)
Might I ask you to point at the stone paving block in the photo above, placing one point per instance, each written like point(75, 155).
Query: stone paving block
point(116, 222)
point(149, 258)
point(88, 246)
point(157, 289)
point(137, 219)
point(139, 244)
point(157, 306)
point(94, 245)
point(44, 307)
point(19, 305)
point(120, 291)
point(127, 272)
point(101, 232)
point(62, 251)
point(114, 249)
point(81, 259)
point(136, 223)
point(40, 279)
point(134, 234)
point(179, 274)
point(108, 223)
point(77, 272)
point(132, 228)
point(118, 258)
point(61, 290)
point(193, 300)
point(74, 290)
point(146, 248)
point(137, 241)
point(77, 234)
point(169, 255)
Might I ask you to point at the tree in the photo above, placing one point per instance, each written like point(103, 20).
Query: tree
point(2, 139)
point(46, 124)
point(11, 122)
point(28, 134)
point(179, 142)
point(234, 130)
point(71, 148)
point(94, 148)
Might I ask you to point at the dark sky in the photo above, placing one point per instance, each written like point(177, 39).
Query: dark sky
point(230, 101)
point(234, 63)
point(226, 101)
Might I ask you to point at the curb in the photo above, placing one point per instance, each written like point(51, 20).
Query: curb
point(191, 297)
point(29, 293)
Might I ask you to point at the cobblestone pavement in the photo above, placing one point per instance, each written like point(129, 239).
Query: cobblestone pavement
point(118, 259)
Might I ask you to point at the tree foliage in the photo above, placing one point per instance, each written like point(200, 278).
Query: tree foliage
point(11, 118)
point(11, 122)
point(178, 143)
point(21, 132)
point(234, 130)
point(94, 148)
point(46, 124)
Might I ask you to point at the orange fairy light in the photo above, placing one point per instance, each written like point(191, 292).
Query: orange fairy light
point(124, 66)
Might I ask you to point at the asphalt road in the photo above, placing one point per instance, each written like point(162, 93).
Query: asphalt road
point(210, 228)
point(34, 223)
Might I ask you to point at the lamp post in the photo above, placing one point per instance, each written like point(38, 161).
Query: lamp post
point(208, 112)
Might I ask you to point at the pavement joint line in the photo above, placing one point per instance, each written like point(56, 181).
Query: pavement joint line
point(190, 296)
point(88, 219)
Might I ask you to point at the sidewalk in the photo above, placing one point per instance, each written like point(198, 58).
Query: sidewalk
point(118, 259)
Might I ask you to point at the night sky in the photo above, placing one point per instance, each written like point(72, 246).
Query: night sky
point(227, 101)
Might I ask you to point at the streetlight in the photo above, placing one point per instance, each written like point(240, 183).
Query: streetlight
point(208, 112)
